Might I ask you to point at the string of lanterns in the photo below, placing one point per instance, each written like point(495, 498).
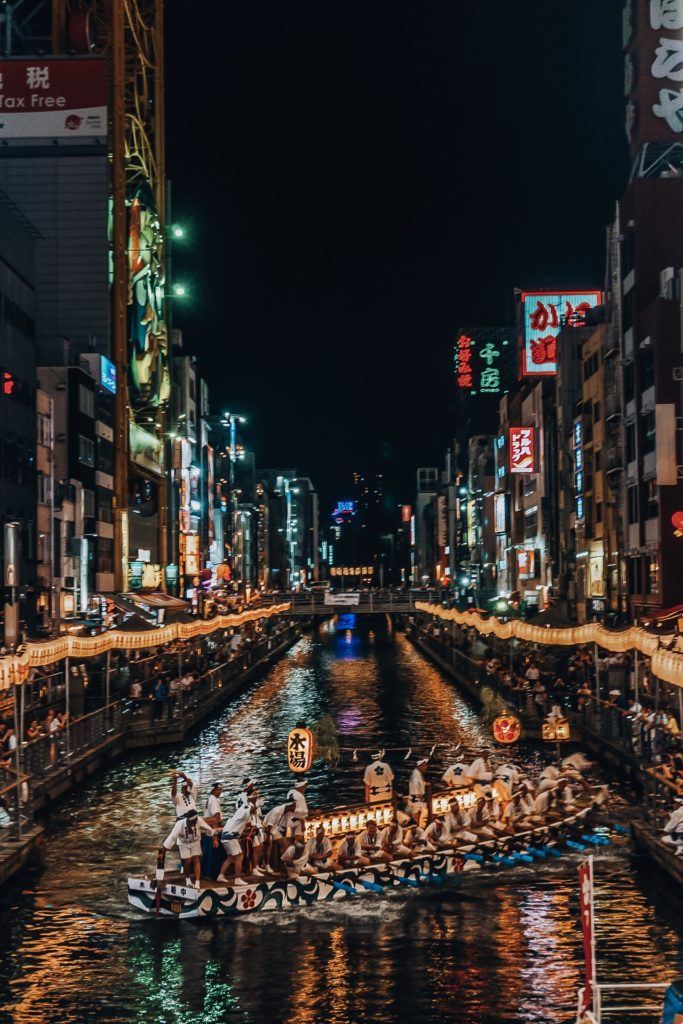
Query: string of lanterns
point(666, 664)
point(15, 668)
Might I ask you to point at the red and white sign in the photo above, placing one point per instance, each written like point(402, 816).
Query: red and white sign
point(522, 449)
point(588, 929)
point(526, 564)
point(544, 314)
point(51, 98)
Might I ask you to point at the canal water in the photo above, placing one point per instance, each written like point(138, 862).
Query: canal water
point(491, 950)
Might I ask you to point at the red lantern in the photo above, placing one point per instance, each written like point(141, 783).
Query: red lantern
point(300, 749)
point(677, 522)
point(507, 729)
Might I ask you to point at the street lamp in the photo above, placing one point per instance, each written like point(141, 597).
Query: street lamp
point(178, 231)
point(179, 291)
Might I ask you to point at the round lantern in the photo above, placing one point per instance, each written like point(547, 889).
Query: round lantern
point(300, 749)
point(507, 729)
point(677, 523)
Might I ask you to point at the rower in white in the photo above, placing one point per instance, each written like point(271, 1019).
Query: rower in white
point(319, 850)
point(297, 823)
point(232, 832)
point(370, 842)
point(417, 792)
point(295, 859)
point(186, 833)
point(212, 811)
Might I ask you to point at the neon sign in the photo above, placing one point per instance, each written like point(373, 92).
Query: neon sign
point(544, 314)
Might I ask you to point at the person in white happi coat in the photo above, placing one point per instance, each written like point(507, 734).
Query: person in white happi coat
point(391, 840)
point(297, 821)
point(319, 850)
point(295, 859)
point(673, 828)
point(438, 834)
point(479, 770)
point(415, 838)
point(418, 792)
point(212, 811)
point(370, 840)
point(577, 761)
point(186, 834)
point(457, 821)
point(275, 826)
point(378, 778)
point(456, 776)
point(231, 836)
point(349, 853)
point(184, 797)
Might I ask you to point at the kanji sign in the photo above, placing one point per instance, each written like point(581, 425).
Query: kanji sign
point(300, 749)
point(543, 315)
point(522, 449)
point(482, 360)
point(47, 98)
point(653, 80)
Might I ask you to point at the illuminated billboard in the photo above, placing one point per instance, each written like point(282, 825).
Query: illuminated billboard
point(343, 511)
point(108, 375)
point(482, 360)
point(499, 512)
point(653, 41)
point(543, 316)
point(526, 564)
point(43, 98)
point(522, 449)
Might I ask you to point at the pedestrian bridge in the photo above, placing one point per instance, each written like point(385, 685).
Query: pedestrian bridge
point(363, 602)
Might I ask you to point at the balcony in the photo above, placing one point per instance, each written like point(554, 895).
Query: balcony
point(612, 405)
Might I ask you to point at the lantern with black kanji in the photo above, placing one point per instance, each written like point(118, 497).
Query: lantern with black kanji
point(300, 749)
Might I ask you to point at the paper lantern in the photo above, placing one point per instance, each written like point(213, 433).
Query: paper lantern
point(300, 749)
point(677, 523)
point(507, 729)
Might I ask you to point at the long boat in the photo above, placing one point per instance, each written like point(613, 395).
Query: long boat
point(214, 899)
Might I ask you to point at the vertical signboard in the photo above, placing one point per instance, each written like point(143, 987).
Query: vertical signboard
point(543, 316)
point(499, 512)
point(522, 449)
point(578, 468)
point(482, 360)
point(653, 73)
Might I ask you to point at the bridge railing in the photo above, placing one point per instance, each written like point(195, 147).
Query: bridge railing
point(56, 750)
point(314, 602)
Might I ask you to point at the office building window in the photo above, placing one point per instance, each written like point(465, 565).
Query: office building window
point(632, 500)
point(44, 484)
point(86, 450)
point(629, 382)
point(650, 499)
point(598, 512)
point(105, 554)
point(648, 432)
point(630, 442)
point(44, 430)
point(86, 401)
point(652, 576)
point(633, 570)
point(596, 412)
point(88, 502)
point(597, 459)
point(646, 365)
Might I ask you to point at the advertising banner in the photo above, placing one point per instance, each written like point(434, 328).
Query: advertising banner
point(342, 599)
point(483, 360)
point(543, 316)
point(522, 449)
point(499, 512)
point(48, 98)
point(653, 72)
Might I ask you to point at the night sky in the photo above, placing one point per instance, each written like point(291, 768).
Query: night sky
point(358, 179)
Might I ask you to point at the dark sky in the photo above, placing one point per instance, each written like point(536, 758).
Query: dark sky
point(358, 179)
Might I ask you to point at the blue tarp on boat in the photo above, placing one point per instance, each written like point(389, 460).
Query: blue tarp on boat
point(673, 1004)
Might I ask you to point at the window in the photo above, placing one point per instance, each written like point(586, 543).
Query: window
point(598, 512)
point(648, 432)
point(632, 500)
point(596, 412)
point(633, 575)
point(652, 576)
point(588, 517)
point(631, 442)
point(105, 456)
point(650, 499)
point(105, 554)
point(597, 459)
point(629, 382)
point(86, 450)
point(86, 401)
point(646, 366)
point(531, 525)
point(88, 503)
point(44, 489)
point(104, 506)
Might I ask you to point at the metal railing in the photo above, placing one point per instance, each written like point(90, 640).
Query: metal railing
point(15, 806)
point(58, 749)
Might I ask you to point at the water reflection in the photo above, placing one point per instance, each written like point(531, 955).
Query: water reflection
point(481, 953)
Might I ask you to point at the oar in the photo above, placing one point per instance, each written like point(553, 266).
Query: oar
point(621, 830)
point(535, 852)
point(575, 846)
point(413, 882)
point(596, 840)
point(343, 887)
point(372, 886)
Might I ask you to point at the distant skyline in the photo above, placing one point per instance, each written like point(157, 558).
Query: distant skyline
point(357, 181)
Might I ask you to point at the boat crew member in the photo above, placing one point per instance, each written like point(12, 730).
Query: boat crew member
point(319, 850)
point(297, 822)
point(184, 798)
point(233, 830)
point(479, 819)
point(186, 833)
point(295, 859)
point(378, 779)
point(416, 840)
point(212, 810)
point(392, 843)
point(256, 832)
point(457, 821)
point(417, 792)
point(370, 841)
point(673, 829)
point(456, 776)
point(438, 834)
point(349, 853)
point(480, 770)
point(275, 825)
